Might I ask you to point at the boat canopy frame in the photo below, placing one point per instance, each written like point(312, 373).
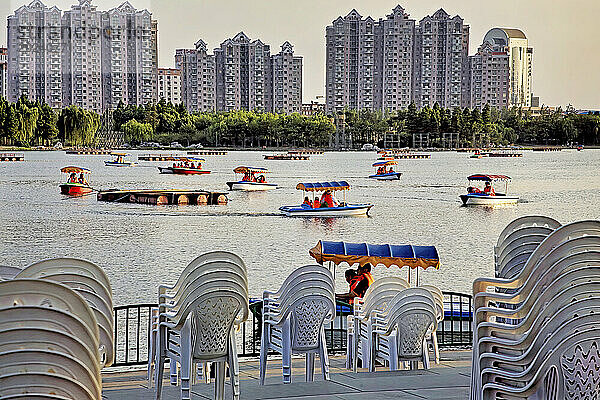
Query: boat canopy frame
point(385, 163)
point(74, 169)
point(243, 169)
point(414, 257)
point(488, 178)
point(323, 186)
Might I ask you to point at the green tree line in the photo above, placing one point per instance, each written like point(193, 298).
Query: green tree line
point(27, 123)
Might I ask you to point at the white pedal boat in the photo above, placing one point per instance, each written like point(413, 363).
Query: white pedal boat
point(487, 197)
point(252, 179)
point(384, 174)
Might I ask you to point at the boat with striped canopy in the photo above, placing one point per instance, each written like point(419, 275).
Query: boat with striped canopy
point(77, 182)
point(329, 207)
point(185, 166)
point(252, 179)
point(120, 160)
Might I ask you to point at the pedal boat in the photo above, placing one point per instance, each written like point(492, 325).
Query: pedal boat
point(343, 210)
point(475, 197)
point(252, 179)
point(185, 170)
point(120, 160)
point(75, 188)
point(387, 176)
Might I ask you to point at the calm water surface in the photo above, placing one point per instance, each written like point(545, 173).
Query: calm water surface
point(141, 246)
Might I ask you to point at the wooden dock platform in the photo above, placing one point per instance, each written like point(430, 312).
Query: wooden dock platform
point(160, 157)
point(207, 153)
point(163, 197)
point(90, 152)
point(12, 157)
point(289, 156)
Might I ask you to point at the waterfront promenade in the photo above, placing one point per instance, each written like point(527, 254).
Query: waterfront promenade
point(449, 380)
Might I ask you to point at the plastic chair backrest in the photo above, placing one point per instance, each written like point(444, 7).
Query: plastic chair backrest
point(71, 265)
point(8, 272)
point(44, 383)
point(527, 221)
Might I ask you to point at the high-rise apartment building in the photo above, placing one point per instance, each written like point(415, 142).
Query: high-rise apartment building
point(513, 45)
point(197, 71)
point(287, 80)
point(169, 85)
point(441, 61)
point(84, 56)
point(81, 60)
point(387, 64)
point(489, 77)
point(35, 50)
point(243, 71)
point(3, 71)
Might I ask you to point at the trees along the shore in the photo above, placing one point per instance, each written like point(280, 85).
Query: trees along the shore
point(78, 127)
point(136, 132)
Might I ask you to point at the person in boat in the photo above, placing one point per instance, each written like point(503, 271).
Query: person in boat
point(246, 177)
point(82, 179)
point(391, 170)
point(306, 203)
point(365, 272)
point(327, 200)
point(358, 286)
point(316, 203)
point(72, 178)
point(261, 179)
point(489, 190)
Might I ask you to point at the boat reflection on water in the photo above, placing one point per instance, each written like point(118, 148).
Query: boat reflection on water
point(329, 223)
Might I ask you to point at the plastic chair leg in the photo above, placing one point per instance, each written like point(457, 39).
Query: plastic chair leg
point(234, 367)
point(349, 351)
point(185, 361)
point(310, 367)
point(425, 356)
point(263, 353)
point(151, 357)
point(173, 372)
point(323, 356)
point(286, 361)
point(436, 349)
point(159, 365)
point(220, 381)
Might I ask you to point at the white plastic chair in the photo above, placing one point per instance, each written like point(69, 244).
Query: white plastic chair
point(438, 296)
point(201, 311)
point(399, 332)
point(294, 320)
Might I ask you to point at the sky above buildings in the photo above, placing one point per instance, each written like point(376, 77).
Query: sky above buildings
point(564, 34)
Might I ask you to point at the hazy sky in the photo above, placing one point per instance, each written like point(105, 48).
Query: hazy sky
point(564, 34)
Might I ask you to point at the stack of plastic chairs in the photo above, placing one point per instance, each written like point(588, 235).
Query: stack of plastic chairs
point(550, 348)
point(400, 331)
point(49, 346)
point(90, 281)
point(438, 296)
point(360, 333)
point(294, 320)
point(518, 240)
point(7, 272)
point(197, 319)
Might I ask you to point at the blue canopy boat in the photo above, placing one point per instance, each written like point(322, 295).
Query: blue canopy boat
point(342, 209)
point(385, 174)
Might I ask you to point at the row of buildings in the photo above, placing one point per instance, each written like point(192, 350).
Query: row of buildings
point(387, 64)
point(241, 74)
point(95, 59)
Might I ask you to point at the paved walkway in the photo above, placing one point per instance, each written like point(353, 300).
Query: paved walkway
point(449, 380)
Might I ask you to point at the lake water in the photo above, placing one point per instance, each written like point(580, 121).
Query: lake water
point(141, 246)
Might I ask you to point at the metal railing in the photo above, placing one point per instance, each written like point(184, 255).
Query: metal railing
point(132, 327)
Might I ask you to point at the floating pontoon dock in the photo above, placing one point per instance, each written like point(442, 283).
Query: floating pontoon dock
point(490, 154)
point(90, 152)
point(547, 149)
point(411, 155)
point(163, 197)
point(289, 156)
point(207, 153)
point(12, 157)
point(160, 157)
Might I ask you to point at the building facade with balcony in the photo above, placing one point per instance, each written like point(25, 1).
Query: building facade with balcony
point(197, 74)
point(86, 57)
point(287, 80)
point(169, 85)
point(387, 64)
point(441, 61)
point(3, 71)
